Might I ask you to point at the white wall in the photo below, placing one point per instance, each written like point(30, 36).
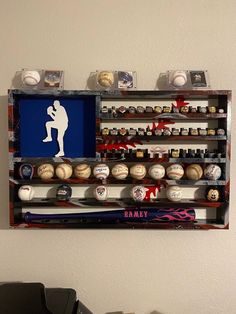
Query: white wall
point(167, 272)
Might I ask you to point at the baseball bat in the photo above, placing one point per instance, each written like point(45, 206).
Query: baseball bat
point(124, 215)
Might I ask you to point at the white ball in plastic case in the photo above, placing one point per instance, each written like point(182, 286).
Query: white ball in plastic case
point(178, 78)
point(105, 79)
point(30, 78)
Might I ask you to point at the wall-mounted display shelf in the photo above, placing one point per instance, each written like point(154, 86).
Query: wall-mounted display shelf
point(123, 159)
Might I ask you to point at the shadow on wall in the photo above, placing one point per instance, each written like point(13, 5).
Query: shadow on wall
point(161, 84)
point(91, 81)
point(4, 212)
point(17, 81)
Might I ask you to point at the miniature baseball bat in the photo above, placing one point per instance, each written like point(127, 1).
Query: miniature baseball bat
point(123, 215)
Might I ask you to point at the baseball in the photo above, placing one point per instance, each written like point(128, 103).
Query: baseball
point(64, 171)
point(194, 172)
point(178, 78)
point(138, 193)
point(105, 78)
point(30, 78)
point(120, 171)
point(45, 171)
point(174, 193)
point(26, 171)
point(26, 192)
point(213, 194)
point(82, 171)
point(138, 171)
point(212, 172)
point(175, 171)
point(101, 193)
point(156, 172)
point(101, 171)
point(64, 192)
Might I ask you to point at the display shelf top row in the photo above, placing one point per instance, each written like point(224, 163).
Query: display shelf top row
point(159, 94)
point(58, 123)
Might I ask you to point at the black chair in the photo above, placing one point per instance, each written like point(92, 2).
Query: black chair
point(34, 298)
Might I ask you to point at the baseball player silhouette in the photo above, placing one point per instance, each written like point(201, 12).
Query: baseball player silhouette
point(60, 122)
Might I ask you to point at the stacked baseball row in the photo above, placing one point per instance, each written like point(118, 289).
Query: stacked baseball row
point(121, 171)
point(138, 193)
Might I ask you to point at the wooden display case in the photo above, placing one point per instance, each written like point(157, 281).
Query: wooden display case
point(122, 127)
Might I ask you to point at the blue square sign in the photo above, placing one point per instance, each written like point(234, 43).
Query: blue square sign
point(57, 127)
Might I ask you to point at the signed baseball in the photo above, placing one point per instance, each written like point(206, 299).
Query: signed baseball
point(101, 171)
point(101, 193)
point(175, 171)
point(212, 172)
point(64, 192)
point(82, 171)
point(156, 172)
point(194, 172)
point(30, 78)
point(120, 171)
point(138, 193)
point(174, 193)
point(178, 78)
point(138, 171)
point(64, 171)
point(45, 171)
point(26, 192)
point(26, 171)
point(105, 79)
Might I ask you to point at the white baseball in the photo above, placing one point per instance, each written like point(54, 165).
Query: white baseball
point(138, 171)
point(45, 171)
point(101, 193)
point(26, 192)
point(105, 78)
point(64, 171)
point(138, 193)
point(101, 171)
point(82, 171)
point(174, 193)
point(156, 172)
point(178, 78)
point(175, 171)
point(30, 78)
point(212, 172)
point(120, 171)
